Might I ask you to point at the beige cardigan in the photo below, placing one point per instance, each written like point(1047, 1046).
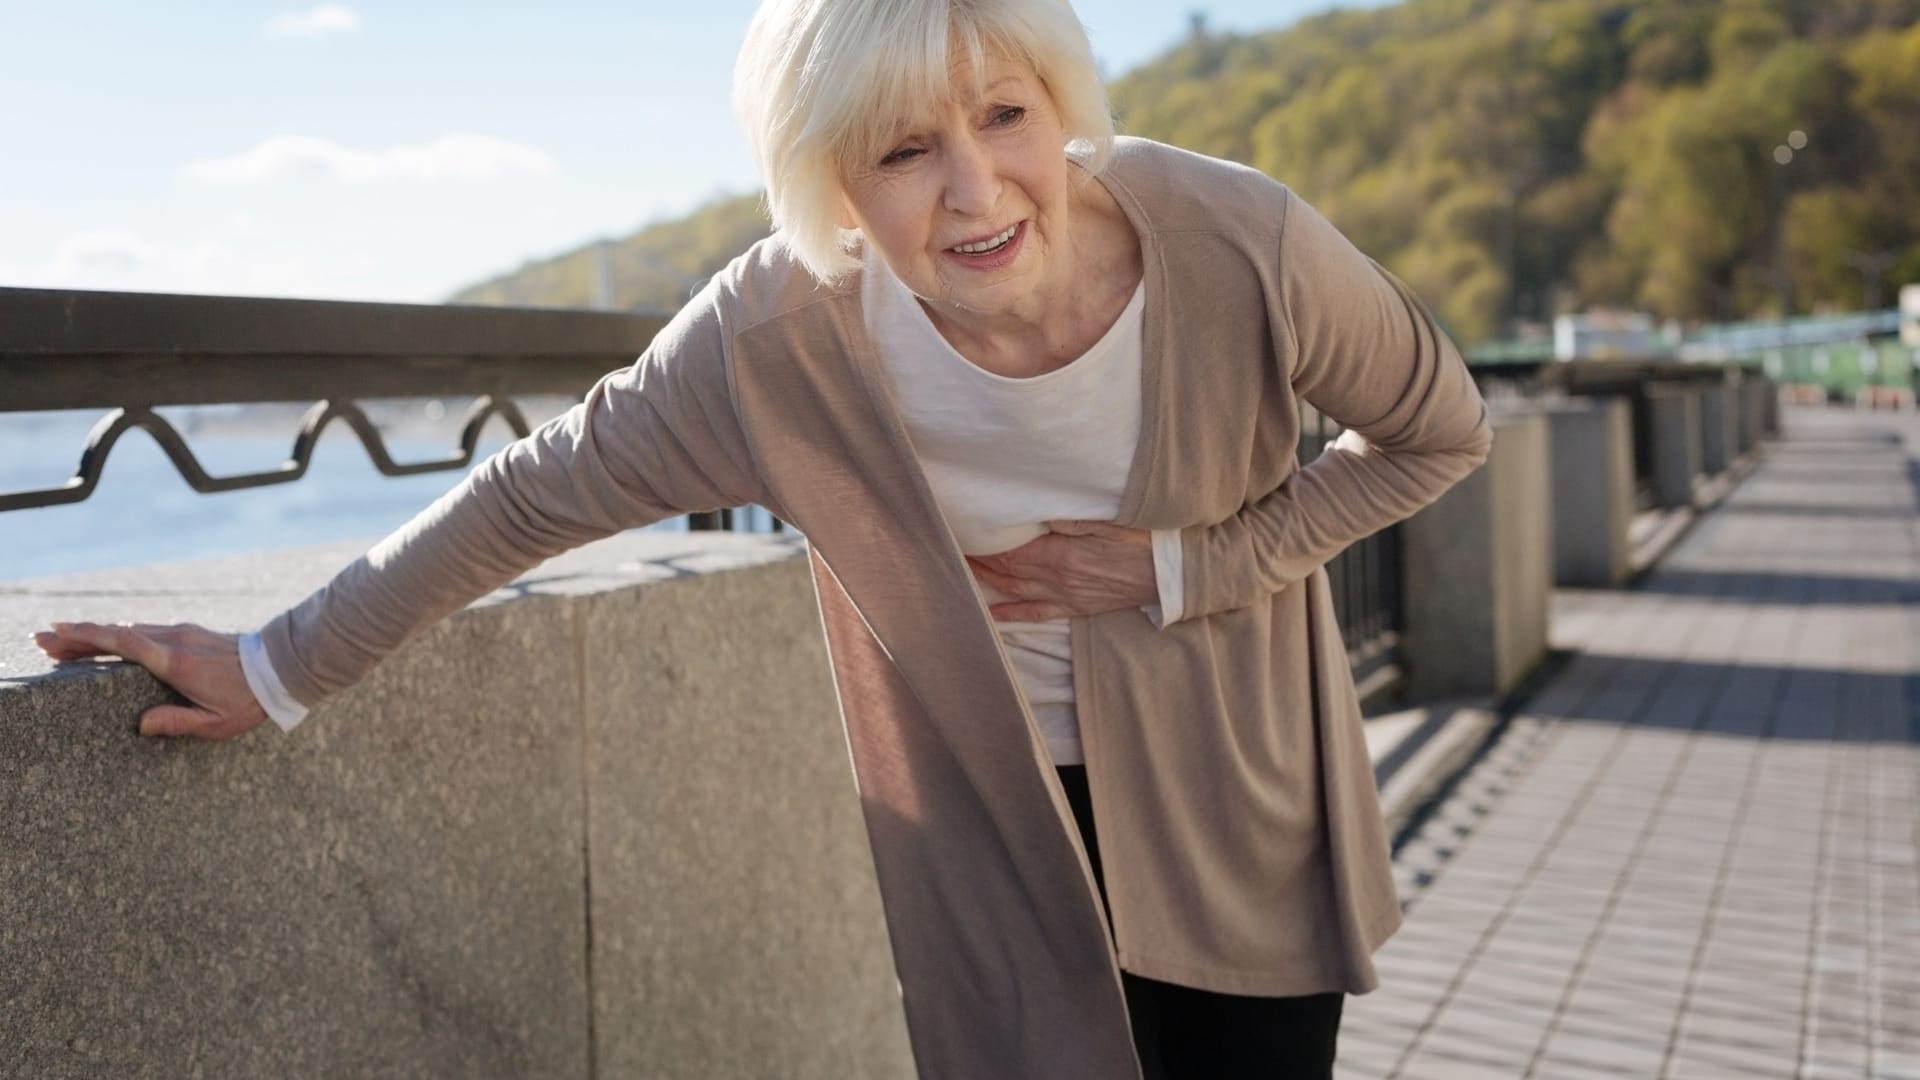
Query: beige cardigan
point(1242, 839)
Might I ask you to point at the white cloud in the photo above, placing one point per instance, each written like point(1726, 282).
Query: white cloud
point(320, 22)
point(242, 223)
point(102, 253)
point(123, 261)
point(449, 157)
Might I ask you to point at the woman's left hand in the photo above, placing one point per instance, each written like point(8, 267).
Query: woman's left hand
point(1078, 568)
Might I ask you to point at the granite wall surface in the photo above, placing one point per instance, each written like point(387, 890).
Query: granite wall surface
point(601, 824)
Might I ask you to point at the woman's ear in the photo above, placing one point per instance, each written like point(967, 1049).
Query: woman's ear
point(846, 220)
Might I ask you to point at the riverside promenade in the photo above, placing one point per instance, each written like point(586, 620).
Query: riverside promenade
point(1694, 852)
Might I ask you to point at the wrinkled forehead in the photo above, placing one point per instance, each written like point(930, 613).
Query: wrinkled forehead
point(896, 90)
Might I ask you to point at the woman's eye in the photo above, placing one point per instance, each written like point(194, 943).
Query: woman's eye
point(901, 156)
point(1012, 114)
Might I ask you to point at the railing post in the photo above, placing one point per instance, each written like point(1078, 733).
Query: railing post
point(1479, 571)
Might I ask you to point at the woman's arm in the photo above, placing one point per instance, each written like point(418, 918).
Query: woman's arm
point(1366, 353)
point(1360, 348)
point(651, 441)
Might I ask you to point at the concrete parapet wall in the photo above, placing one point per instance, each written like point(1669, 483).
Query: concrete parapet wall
point(1478, 569)
point(737, 927)
point(600, 824)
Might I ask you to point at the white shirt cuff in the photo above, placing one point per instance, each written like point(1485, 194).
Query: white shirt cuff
point(265, 683)
point(1169, 576)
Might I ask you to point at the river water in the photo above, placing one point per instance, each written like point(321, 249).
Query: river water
point(143, 512)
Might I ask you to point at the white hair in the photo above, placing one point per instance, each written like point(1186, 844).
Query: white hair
point(823, 83)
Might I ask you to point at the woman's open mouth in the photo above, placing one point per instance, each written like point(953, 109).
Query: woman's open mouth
point(985, 246)
point(992, 252)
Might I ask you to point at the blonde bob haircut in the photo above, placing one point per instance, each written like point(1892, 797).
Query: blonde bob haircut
point(822, 85)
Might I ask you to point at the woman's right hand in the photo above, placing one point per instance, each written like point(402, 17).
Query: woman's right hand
point(202, 665)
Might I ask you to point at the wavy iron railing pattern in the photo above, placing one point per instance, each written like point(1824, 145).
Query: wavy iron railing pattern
point(101, 440)
point(130, 354)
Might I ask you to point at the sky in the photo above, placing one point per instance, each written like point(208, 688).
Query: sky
point(386, 151)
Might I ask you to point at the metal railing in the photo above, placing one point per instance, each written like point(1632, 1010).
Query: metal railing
point(1731, 341)
point(1366, 584)
point(134, 353)
point(1635, 381)
point(131, 354)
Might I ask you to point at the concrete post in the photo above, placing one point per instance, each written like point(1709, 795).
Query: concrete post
point(1760, 392)
point(1479, 571)
point(1675, 409)
point(1592, 449)
point(1718, 410)
point(1745, 414)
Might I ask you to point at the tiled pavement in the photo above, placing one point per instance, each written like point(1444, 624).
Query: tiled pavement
point(1694, 853)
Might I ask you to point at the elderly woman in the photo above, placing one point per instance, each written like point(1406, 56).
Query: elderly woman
point(1032, 394)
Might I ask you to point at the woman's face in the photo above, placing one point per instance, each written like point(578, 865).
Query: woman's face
point(969, 206)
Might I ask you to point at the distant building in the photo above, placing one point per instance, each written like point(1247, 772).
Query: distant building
point(1608, 335)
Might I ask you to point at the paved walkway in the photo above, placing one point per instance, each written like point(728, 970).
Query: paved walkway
point(1694, 854)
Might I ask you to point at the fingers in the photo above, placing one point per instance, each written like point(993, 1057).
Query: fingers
point(1000, 579)
point(1027, 611)
point(1079, 568)
point(62, 649)
point(1000, 562)
point(71, 641)
point(1026, 595)
point(178, 720)
point(1029, 599)
point(77, 641)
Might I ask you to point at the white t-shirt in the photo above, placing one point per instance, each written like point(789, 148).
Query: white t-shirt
point(1005, 455)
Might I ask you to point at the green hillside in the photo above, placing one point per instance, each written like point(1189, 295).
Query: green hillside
point(1519, 158)
point(1537, 156)
point(655, 269)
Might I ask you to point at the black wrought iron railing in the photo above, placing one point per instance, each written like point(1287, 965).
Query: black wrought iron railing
point(131, 355)
point(1366, 584)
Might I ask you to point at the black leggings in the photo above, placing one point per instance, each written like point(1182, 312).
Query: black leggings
point(1187, 1034)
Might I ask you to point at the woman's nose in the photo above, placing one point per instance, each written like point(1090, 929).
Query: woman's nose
point(973, 179)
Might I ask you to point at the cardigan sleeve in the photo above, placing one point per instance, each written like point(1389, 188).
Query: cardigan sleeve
point(650, 441)
point(1359, 347)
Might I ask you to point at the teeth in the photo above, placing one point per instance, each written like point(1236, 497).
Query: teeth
point(985, 246)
